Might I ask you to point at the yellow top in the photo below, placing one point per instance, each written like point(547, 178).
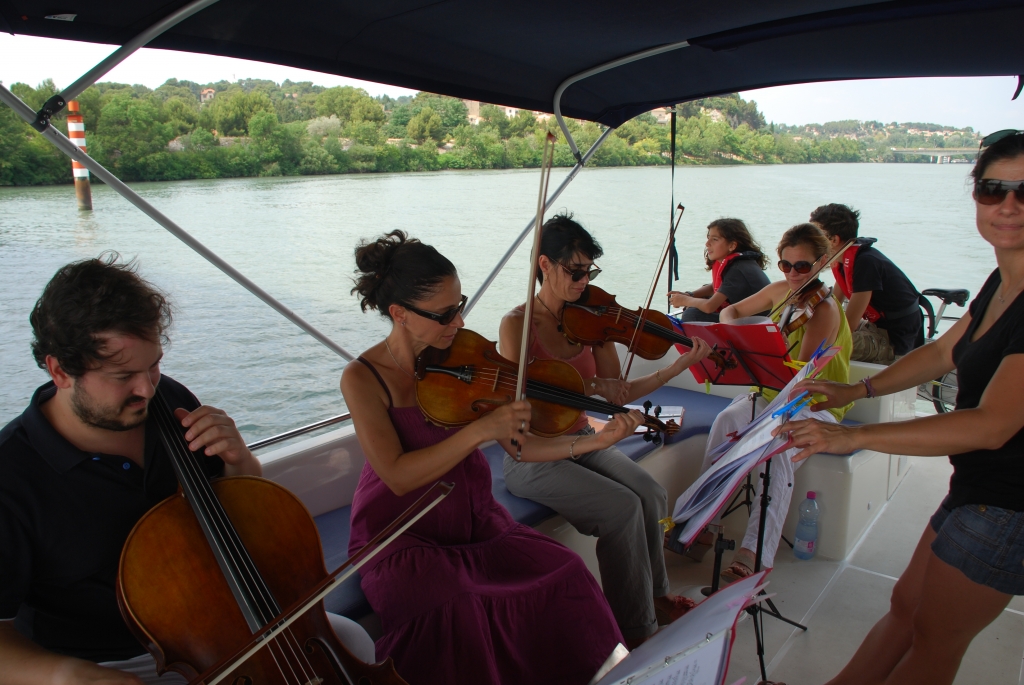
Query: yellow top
point(837, 369)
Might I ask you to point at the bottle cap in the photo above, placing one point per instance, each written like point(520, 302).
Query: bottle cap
point(811, 495)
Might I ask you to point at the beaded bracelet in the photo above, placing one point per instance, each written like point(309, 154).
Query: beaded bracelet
point(571, 445)
point(867, 386)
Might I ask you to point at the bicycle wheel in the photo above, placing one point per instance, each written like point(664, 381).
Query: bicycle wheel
point(944, 393)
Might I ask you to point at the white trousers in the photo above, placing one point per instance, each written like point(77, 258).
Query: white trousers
point(351, 634)
point(735, 417)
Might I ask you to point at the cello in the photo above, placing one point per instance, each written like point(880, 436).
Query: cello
point(204, 574)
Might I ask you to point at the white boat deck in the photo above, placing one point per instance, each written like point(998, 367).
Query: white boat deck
point(839, 602)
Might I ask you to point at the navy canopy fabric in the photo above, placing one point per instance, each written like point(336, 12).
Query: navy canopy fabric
point(517, 53)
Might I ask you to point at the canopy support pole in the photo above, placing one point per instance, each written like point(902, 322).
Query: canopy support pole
point(635, 57)
point(56, 103)
point(583, 159)
point(62, 143)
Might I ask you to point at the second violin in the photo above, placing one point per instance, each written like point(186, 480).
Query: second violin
point(596, 318)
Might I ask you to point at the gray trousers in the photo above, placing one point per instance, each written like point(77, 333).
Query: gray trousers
point(351, 634)
point(607, 495)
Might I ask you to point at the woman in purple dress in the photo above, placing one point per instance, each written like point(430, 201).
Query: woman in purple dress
point(467, 594)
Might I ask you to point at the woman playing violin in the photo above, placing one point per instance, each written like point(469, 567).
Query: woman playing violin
point(967, 565)
point(603, 492)
point(737, 265)
point(468, 594)
point(801, 252)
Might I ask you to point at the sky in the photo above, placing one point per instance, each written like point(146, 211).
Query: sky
point(982, 103)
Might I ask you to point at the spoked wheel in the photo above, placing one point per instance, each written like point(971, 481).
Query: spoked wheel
point(944, 392)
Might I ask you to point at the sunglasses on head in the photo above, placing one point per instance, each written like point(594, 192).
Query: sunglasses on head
point(577, 274)
point(993, 138)
point(801, 266)
point(445, 317)
point(991, 191)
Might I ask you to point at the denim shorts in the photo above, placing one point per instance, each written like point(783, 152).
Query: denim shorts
point(986, 543)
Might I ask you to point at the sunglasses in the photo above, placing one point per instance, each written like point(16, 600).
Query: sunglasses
point(801, 267)
point(993, 138)
point(445, 317)
point(991, 191)
point(577, 274)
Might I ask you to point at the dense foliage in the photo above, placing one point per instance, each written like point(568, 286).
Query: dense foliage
point(260, 128)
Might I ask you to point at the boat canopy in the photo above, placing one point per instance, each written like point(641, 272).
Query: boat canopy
point(521, 53)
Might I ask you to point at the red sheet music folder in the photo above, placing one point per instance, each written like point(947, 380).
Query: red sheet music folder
point(754, 343)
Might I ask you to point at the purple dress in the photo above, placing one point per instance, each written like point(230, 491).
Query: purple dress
point(467, 595)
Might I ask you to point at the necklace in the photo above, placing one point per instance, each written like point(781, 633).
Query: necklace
point(553, 316)
point(1000, 296)
point(388, 347)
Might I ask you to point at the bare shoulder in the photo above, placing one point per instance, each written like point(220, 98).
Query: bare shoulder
point(512, 323)
point(359, 383)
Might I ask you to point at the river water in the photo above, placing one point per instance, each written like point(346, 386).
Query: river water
point(295, 238)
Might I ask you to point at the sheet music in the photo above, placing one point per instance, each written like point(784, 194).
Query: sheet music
point(694, 649)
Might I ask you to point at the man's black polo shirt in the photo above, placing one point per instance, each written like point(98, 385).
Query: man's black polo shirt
point(64, 517)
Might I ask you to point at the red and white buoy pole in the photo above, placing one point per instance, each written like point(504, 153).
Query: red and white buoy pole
point(76, 132)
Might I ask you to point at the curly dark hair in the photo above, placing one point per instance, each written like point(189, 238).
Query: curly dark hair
point(839, 220)
point(562, 237)
point(397, 269)
point(88, 298)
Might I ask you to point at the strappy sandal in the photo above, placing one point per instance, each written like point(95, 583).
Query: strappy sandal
point(679, 606)
point(737, 571)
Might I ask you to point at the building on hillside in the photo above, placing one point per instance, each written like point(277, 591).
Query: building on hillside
point(511, 111)
point(472, 111)
point(207, 95)
point(541, 117)
point(662, 114)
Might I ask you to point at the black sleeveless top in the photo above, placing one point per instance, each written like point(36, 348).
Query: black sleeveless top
point(992, 477)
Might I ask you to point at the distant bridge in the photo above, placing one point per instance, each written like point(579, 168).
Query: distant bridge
point(939, 155)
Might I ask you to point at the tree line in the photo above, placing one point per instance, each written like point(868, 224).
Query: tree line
point(261, 128)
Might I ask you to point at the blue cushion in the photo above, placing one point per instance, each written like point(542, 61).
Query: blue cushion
point(335, 529)
point(525, 511)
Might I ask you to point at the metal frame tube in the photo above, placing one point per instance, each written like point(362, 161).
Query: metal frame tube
point(62, 143)
point(636, 56)
point(526, 231)
point(281, 437)
point(122, 53)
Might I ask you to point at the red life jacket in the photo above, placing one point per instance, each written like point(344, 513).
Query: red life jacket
point(844, 277)
point(718, 271)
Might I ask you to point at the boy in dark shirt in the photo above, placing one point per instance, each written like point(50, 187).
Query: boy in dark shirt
point(883, 306)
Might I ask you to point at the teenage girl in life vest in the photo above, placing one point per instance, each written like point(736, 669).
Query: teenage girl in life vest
point(737, 265)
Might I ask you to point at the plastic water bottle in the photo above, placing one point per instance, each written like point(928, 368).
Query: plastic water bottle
point(806, 538)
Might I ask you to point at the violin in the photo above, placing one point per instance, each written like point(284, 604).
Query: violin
point(596, 318)
point(204, 574)
point(469, 379)
point(800, 311)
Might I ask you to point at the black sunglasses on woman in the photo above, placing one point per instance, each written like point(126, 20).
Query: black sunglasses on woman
point(445, 317)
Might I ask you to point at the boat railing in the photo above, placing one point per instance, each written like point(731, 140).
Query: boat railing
point(296, 432)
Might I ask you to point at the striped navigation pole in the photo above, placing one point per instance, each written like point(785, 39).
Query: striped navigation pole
point(76, 132)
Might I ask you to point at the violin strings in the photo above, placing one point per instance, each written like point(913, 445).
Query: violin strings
point(264, 603)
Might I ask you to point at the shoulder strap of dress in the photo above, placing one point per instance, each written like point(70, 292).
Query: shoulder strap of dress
point(380, 380)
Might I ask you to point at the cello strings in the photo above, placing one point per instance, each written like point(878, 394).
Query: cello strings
point(205, 498)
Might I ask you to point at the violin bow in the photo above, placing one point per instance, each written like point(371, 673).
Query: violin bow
point(799, 291)
point(631, 349)
point(542, 200)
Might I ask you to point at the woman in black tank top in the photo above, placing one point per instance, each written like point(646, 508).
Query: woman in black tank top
point(970, 560)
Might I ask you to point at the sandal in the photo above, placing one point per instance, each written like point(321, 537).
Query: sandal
point(678, 606)
point(737, 571)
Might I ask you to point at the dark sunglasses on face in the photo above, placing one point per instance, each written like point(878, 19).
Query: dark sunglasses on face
point(577, 274)
point(801, 267)
point(993, 138)
point(445, 317)
point(991, 191)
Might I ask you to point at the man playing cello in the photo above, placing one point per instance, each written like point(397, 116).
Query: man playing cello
point(79, 468)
